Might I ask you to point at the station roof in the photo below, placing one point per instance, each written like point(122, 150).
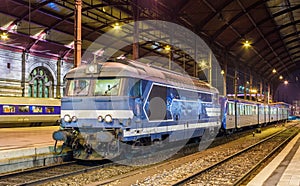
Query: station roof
point(272, 28)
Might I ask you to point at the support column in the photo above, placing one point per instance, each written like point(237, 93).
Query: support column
point(195, 70)
point(23, 73)
point(195, 58)
point(58, 75)
point(135, 45)
point(184, 64)
point(268, 93)
point(251, 85)
point(225, 78)
point(245, 85)
point(260, 90)
point(235, 83)
point(77, 33)
point(271, 93)
point(265, 92)
point(210, 67)
point(170, 59)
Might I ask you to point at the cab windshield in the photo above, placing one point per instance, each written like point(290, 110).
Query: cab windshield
point(94, 87)
point(107, 87)
point(78, 87)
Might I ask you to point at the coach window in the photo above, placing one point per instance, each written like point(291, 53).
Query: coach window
point(248, 110)
point(40, 83)
point(37, 109)
point(23, 109)
point(241, 109)
point(49, 109)
point(9, 109)
point(255, 110)
point(231, 109)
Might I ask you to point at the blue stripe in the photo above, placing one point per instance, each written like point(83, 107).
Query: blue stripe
point(17, 112)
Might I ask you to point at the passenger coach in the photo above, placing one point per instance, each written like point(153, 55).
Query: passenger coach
point(239, 113)
point(24, 111)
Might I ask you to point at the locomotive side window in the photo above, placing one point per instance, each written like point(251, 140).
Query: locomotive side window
point(135, 88)
point(9, 109)
point(23, 109)
point(107, 87)
point(205, 97)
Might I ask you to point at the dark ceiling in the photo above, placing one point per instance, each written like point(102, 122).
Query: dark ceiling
point(46, 27)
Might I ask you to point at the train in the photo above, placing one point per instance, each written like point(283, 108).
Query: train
point(114, 108)
point(27, 112)
point(239, 113)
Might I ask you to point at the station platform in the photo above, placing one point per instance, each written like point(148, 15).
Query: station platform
point(27, 147)
point(283, 170)
point(24, 137)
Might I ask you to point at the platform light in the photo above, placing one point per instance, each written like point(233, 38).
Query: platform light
point(222, 72)
point(286, 82)
point(274, 71)
point(254, 91)
point(280, 77)
point(203, 64)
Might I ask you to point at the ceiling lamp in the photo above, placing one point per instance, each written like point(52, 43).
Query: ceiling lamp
point(280, 77)
point(167, 48)
point(247, 44)
point(4, 36)
point(117, 26)
point(274, 71)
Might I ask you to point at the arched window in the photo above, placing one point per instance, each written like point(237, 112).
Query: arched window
point(40, 83)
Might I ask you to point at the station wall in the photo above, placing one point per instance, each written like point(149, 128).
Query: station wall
point(12, 70)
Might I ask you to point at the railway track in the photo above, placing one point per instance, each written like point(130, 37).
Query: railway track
point(49, 173)
point(236, 168)
point(73, 174)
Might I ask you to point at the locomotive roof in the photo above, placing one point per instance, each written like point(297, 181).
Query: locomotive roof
point(139, 70)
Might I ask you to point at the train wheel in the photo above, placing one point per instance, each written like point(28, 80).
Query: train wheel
point(156, 146)
point(131, 151)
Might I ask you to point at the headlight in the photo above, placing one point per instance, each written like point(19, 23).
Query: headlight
point(67, 118)
point(100, 118)
point(108, 118)
point(74, 118)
